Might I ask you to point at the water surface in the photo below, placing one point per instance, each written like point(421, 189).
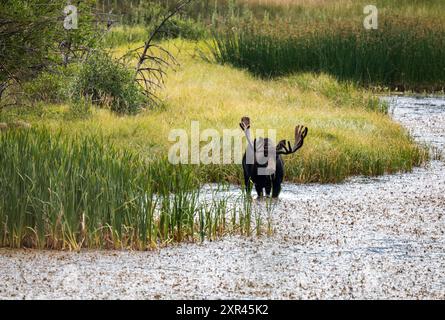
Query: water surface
point(381, 237)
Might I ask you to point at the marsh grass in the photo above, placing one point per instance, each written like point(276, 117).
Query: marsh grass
point(401, 54)
point(64, 192)
point(207, 12)
point(124, 35)
point(280, 37)
point(350, 131)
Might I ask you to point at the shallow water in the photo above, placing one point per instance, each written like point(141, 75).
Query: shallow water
point(381, 237)
point(424, 118)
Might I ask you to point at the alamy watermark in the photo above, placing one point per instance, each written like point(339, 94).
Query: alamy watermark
point(71, 18)
point(209, 146)
point(371, 21)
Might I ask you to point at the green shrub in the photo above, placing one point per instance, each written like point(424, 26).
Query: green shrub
point(108, 84)
point(50, 86)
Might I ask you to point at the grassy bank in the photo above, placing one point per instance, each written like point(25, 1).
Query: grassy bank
point(350, 133)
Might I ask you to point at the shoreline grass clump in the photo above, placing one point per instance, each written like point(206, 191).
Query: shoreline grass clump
point(400, 54)
point(60, 192)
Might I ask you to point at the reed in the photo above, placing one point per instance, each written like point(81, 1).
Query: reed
point(140, 12)
point(400, 54)
point(62, 192)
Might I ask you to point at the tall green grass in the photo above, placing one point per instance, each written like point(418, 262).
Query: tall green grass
point(141, 12)
point(287, 36)
point(402, 54)
point(64, 192)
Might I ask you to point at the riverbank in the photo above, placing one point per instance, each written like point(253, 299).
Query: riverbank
point(349, 130)
point(119, 196)
point(366, 238)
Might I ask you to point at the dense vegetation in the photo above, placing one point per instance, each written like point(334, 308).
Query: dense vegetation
point(33, 39)
point(64, 192)
point(278, 37)
point(350, 131)
point(92, 172)
point(400, 54)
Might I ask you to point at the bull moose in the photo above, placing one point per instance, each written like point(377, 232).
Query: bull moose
point(262, 162)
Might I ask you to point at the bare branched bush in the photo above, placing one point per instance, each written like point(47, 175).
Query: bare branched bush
point(153, 59)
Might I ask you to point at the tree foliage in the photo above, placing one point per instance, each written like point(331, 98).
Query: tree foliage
point(33, 37)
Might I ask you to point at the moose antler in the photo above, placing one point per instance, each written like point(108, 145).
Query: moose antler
point(300, 134)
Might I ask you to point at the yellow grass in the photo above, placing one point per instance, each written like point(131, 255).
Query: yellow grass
point(344, 137)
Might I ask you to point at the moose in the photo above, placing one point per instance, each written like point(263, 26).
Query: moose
point(262, 161)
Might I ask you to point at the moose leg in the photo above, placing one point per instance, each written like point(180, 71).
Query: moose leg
point(268, 187)
point(277, 178)
point(276, 189)
point(259, 190)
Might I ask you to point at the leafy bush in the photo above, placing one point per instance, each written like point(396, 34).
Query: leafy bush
point(50, 86)
point(29, 31)
point(107, 83)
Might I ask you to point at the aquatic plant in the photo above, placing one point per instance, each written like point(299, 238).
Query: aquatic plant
point(401, 54)
point(64, 192)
